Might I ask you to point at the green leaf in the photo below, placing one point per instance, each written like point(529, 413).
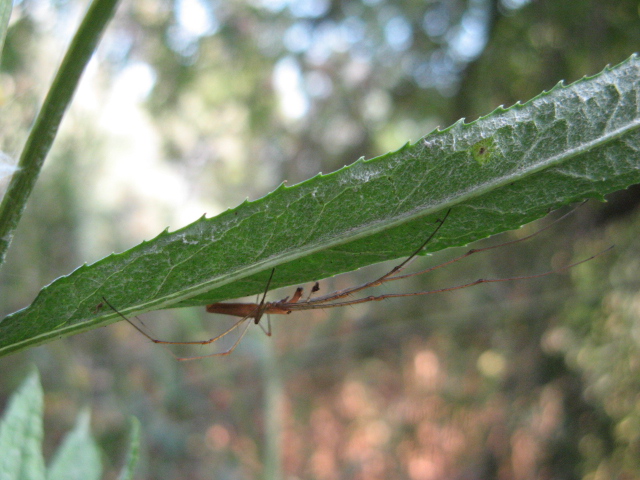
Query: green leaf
point(133, 453)
point(21, 433)
point(5, 15)
point(495, 174)
point(78, 458)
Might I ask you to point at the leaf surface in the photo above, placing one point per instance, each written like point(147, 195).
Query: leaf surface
point(21, 433)
point(78, 458)
point(495, 174)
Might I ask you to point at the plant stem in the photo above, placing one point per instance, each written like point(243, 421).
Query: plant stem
point(48, 120)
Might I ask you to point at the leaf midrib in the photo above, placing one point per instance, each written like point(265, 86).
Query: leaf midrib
point(380, 226)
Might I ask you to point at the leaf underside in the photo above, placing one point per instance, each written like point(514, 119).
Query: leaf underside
point(495, 174)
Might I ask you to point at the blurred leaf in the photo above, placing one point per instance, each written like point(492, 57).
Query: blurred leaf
point(5, 15)
point(134, 451)
point(496, 174)
point(21, 433)
point(78, 458)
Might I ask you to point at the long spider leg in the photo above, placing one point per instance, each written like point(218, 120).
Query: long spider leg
point(203, 342)
point(128, 320)
point(473, 251)
point(393, 274)
point(218, 354)
point(384, 278)
point(260, 308)
point(167, 342)
point(374, 298)
point(256, 315)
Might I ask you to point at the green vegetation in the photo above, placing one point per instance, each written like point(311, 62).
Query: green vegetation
point(535, 380)
point(78, 457)
point(566, 145)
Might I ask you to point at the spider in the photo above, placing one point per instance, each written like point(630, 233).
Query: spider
point(339, 298)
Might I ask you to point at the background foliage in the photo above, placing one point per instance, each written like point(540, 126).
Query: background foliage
point(526, 380)
point(21, 434)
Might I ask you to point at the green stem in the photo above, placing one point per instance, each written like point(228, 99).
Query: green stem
point(273, 399)
point(48, 120)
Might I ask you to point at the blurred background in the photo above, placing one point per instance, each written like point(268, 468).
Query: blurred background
point(192, 106)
